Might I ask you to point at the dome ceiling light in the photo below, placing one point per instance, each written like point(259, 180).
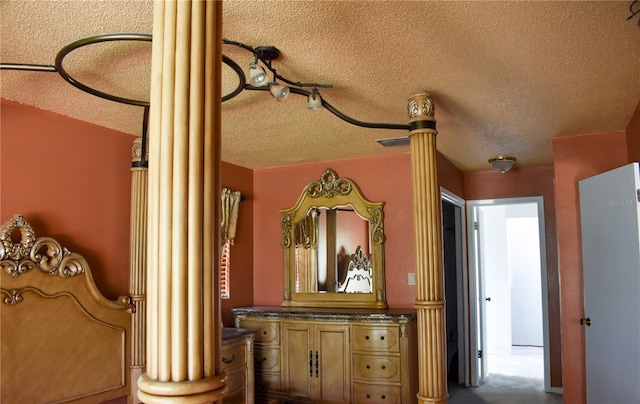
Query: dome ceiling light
point(502, 164)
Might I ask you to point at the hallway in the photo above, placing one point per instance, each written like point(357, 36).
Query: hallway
point(517, 378)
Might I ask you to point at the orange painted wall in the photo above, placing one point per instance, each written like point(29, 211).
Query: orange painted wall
point(449, 176)
point(576, 158)
point(522, 182)
point(71, 180)
point(633, 136)
point(240, 179)
point(75, 186)
point(383, 178)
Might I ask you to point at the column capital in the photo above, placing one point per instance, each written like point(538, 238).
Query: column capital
point(136, 154)
point(421, 110)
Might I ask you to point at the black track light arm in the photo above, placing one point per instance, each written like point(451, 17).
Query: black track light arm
point(337, 112)
point(348, 119)
point(266, 54)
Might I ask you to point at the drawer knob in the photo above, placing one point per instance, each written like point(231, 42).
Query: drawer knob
point(383, 367)
point(368, 395)
point(368, 367)
point(367, 337)
point(228, 361)
point(383, 397)
point(264, 332)
point(382, 338)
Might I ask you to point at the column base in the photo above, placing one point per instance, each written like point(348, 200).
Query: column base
point(423, 399)
point(208, 390)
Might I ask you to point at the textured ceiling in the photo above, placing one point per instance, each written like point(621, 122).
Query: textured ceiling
point(506, 76)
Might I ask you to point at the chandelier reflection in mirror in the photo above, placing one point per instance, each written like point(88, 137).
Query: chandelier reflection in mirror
point(259, 79)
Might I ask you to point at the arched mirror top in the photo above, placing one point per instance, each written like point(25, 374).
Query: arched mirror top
point(333, 241)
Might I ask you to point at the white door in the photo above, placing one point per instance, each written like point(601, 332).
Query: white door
point(477, 329)
point(610, 218)
point(482, 296)
point(496, 280)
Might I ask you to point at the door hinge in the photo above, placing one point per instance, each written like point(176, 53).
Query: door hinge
point(479, 353)
point(475, 226)
point(638, 193)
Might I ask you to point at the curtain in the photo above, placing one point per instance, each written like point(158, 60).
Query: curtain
point(306, 233)
point(229, 208)
point(306, 230)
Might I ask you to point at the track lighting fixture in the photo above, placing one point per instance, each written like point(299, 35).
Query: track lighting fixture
point(502, 164)
point(258, 77)
point(314, 101)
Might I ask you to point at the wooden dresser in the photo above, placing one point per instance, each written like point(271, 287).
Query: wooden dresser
point(237, 362)
point(333, 355)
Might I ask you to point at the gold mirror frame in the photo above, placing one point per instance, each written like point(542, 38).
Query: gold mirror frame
point(330, 192)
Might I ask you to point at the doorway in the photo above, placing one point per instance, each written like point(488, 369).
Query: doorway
point(455, 279)
point(507, 282)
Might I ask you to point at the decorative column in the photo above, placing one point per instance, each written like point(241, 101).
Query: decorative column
point(428, 235)
point(183, 310)
point(138, 261)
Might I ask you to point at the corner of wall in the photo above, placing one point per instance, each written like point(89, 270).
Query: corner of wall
point(633, 136)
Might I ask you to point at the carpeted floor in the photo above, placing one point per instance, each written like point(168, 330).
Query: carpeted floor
point(516, 378)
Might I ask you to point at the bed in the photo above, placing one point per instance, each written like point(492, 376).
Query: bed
point(61, 339)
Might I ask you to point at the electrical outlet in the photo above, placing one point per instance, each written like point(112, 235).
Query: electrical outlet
point(411, 279)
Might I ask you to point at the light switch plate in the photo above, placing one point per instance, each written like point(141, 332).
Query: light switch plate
point(411, 278)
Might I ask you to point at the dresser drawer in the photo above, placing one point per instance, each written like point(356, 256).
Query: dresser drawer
point(267, 382)
point(236, 381)
point(234, 355)
point(372, 393)
point(372, 338)
point(376, 368)
point(267, 332)
point(267, 359)
point(238, 397)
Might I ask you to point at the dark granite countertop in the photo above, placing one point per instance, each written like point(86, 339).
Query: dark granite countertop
point(230, 334)
point(334, 314)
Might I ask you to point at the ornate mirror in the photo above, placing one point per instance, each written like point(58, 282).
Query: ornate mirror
point(333, 241)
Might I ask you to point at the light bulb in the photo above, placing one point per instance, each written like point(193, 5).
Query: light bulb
point(279, 92)
point(314, 101)
point(257, 76)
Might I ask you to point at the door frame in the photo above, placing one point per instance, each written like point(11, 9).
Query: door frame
point(476, 278)
point(462, 283)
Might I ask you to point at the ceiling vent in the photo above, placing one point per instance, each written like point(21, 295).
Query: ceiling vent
point(394, 141)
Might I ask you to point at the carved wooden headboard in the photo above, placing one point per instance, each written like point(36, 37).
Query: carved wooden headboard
point(62, 340)
point(358, 277)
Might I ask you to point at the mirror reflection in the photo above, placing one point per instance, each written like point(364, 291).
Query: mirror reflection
point(332, 252)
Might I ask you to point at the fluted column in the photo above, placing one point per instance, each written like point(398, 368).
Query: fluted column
point(428, 236)
point(183, 311)
point(138, 262)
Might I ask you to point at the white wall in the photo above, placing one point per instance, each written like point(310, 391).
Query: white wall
point(524, 267)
